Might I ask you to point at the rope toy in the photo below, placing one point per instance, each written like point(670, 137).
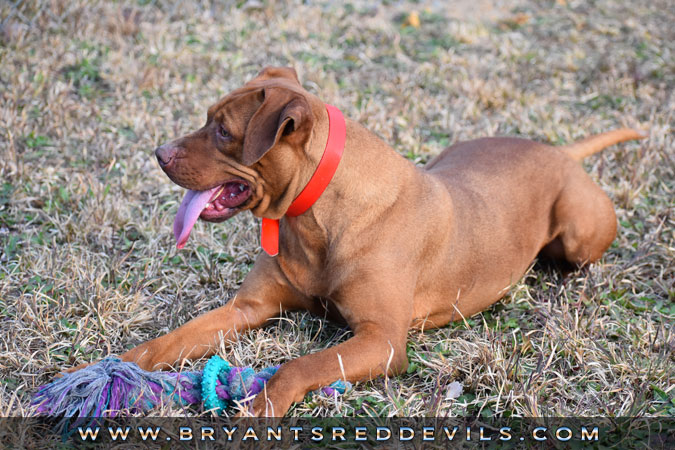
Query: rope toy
point(112, 386)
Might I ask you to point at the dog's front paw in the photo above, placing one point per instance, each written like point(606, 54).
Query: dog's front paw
point(146, 356)
point(271, 402)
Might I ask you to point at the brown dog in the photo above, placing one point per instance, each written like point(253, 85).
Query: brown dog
point(387, 246)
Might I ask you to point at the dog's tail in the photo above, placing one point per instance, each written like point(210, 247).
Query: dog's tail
point(579, 150)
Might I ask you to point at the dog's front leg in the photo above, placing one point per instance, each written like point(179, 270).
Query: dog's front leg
point(264, 294)
point(378, 346)
point(371, 352)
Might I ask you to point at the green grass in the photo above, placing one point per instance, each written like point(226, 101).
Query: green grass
point(88, 265)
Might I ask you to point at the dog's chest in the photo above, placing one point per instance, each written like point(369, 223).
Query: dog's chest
point(305, 275)
point(302, 258)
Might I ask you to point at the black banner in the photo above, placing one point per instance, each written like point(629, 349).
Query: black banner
point(430, 432)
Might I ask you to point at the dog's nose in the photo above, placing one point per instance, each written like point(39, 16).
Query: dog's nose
point(166, 154)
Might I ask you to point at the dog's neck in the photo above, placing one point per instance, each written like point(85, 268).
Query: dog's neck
point(369, 180)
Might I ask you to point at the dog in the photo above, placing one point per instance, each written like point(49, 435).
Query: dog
point(376, 243)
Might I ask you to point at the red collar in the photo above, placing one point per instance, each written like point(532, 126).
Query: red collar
point(269, 233)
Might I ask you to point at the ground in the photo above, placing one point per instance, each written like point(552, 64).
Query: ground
point(88, 265)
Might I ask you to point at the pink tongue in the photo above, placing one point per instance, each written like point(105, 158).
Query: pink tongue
point(192, 206)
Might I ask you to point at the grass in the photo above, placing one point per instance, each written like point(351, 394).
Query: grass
point(88, 265)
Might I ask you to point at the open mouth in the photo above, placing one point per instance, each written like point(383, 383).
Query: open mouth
point(214, 205)
point(225, 202)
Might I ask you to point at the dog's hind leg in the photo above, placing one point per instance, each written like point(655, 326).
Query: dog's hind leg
point(584, 221)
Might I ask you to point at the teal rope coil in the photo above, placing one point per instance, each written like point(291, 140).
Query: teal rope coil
point(209, 378)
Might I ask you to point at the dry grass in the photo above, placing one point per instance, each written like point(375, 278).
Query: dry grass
point(88, 263)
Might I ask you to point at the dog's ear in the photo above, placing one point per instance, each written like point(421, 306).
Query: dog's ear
point(283, 115)
point(278, 72)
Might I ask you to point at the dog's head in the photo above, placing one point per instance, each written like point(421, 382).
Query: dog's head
point(246, 155)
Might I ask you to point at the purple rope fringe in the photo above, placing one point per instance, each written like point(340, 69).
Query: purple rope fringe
point(110, 386)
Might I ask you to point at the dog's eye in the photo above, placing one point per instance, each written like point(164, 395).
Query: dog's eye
point(224, 133)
